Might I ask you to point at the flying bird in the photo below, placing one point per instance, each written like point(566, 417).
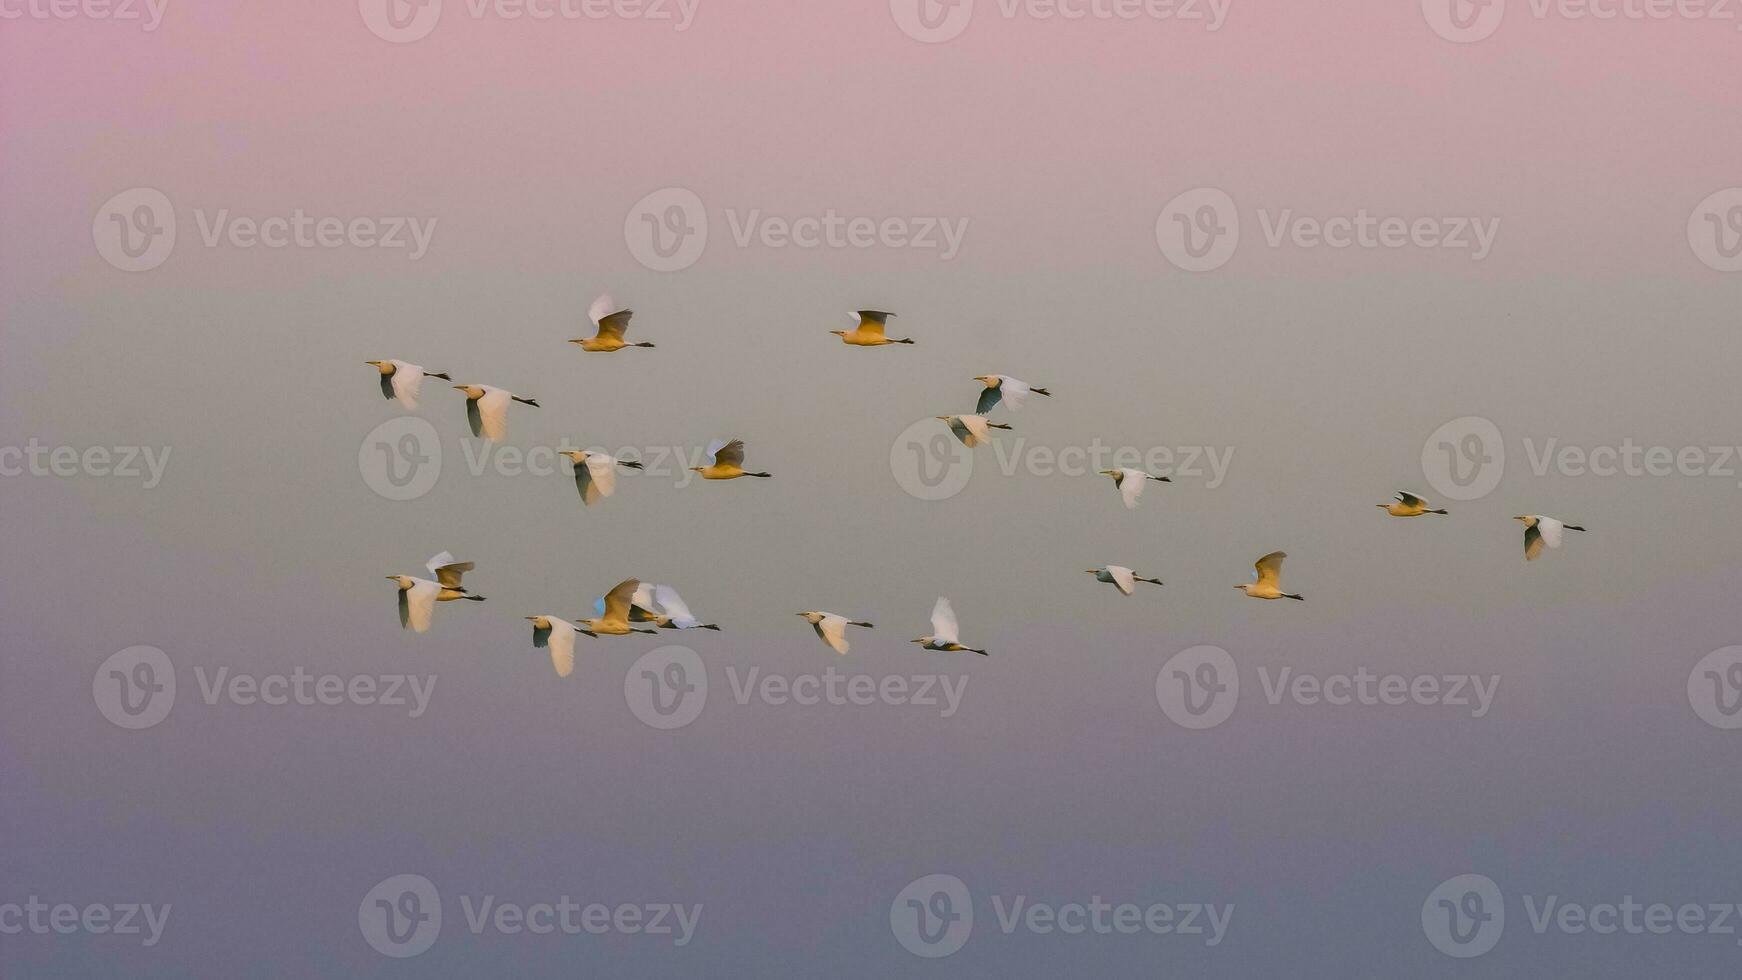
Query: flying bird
point(559, 636)
point(725, 461)
point(945, 631)
point(1122, 578)
point(1408, 505)
point(596, 473)
point(1267, 578)
point(418, 596)
point(611, 323)
point(1131, 482)
point(403, 379)
point(971, 429)
point(673, 613)
point(613, 620)
point(1540, 530)
point(832, 628)
point(487, 410)
point(1004, 388)
point(869, 331)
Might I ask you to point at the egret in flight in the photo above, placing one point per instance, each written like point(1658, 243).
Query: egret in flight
point(945, 631)
point(1122, 578)
point(558, 635)
point(971, 429)
point(403, 379)
point(1003, 388)
point(832, 628)
point(672, 613)
point(611, 323)
point(1540, 530)
point(418, 596)
point(487, 410)
point(1408, 505)
point(869, 331)
point(1131, 483)
point(596, 473)
point(614, 619)
point(1267, 579)
point(725, 461)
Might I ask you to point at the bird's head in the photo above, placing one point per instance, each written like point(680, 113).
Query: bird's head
point(812, 617)
point(989, 380)
point(1112, 473)
point(403, 580)
point(576, 456)
point(540, 622)
point(385, 367)
point(1526, 518)
point(473, 392)
point(922, 641)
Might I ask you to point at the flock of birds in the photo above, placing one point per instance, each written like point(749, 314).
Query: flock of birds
point(632, 605)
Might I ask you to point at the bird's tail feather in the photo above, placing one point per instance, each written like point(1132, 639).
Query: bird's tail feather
point(762, 475)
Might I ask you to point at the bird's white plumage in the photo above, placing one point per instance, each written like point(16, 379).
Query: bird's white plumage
point(668, 603)
point(944, 627)
point(833, 630)
point(1131, 486)
point(971, 429)
point(488, 413)
point(407, 381)
point(559, 637)
point(723, 453)
point(417, 604)
point(1552, 530)
point(602, 307)
point(1123, 578)
point(596, 477)
point(1012, 392)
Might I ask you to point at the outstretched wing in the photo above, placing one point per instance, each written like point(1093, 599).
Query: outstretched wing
point(1408, 499)
point(406, 381)
point(474, 418)
point(989, 399)
point(1131, 487)
point(417, 605)
point(1532, 543)
point(1551, 531)
point(1124, 578)
point(944, 628)
point(1269, 568)
point(1015, 392)
point(449, 572)
point(602, 307)
point(615, 325)
point(833, 630)
point(602, 471)
point(493, 414)
point(617, 601)
point(872, 321)
point(672, 605)
point(727, 454)
point(561, 638)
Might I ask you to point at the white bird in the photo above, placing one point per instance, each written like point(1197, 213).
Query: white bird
point(945, 631)
point(971, 429)
point(1267, 579)
point(1121, 577)
point(487, 410)
point(832, 628)
point(1540, 530)
point(1004, 388)
point(674, 613)
point(1406, 504)
point(403, 380)
point(613, 620)
point(1131, 482)
point(559, 635)
point(868, 331)
point(610, 324)
point(418, 596)
point(596, 473)
point(725, 461)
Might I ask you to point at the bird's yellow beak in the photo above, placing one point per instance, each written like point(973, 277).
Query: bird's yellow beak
point(393, 577)
point(839, 333)
point(373, 363)
point(941, 418)
point(1109, 472)
point(1521, 517)
point(920, 640)
point(458, 387)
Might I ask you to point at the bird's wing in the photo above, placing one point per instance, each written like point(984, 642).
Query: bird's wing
point(617, 600)
point(1123, 578)
point(960, 428)
point(989, 399)
point(448, 574)
point(1551, 531)
point(833, 630)
point(944, 628)
point(672, 604)
point(541, 634)
point(474, 418)
point(615, 325)
point(1014, 391)
point(493, 414)
point(1532, 543)
point(976, 426)
point(438, 560)
point(418, 605)
point(730, 454)
point(406, 381)
point(562, 647)
point(1408, 499)
point(872, 322)
point(1269, 568)
point(602, 471)
point(404, 610)
point(584, 483)
point(602, 307)
point(1130, 487)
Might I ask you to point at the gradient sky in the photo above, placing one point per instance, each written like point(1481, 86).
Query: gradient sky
point(1324, 370)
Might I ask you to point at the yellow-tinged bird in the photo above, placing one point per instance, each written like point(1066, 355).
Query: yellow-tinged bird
point(610, 324)
point(945, 631)
point(1267, 579)
point(418, 596)
point(725, 461)
point(869, 331)
point(403, 380)
point(614, 621)
point(971, 429)
point(559, 636)
point(1539, 531)
point(1408, 505)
